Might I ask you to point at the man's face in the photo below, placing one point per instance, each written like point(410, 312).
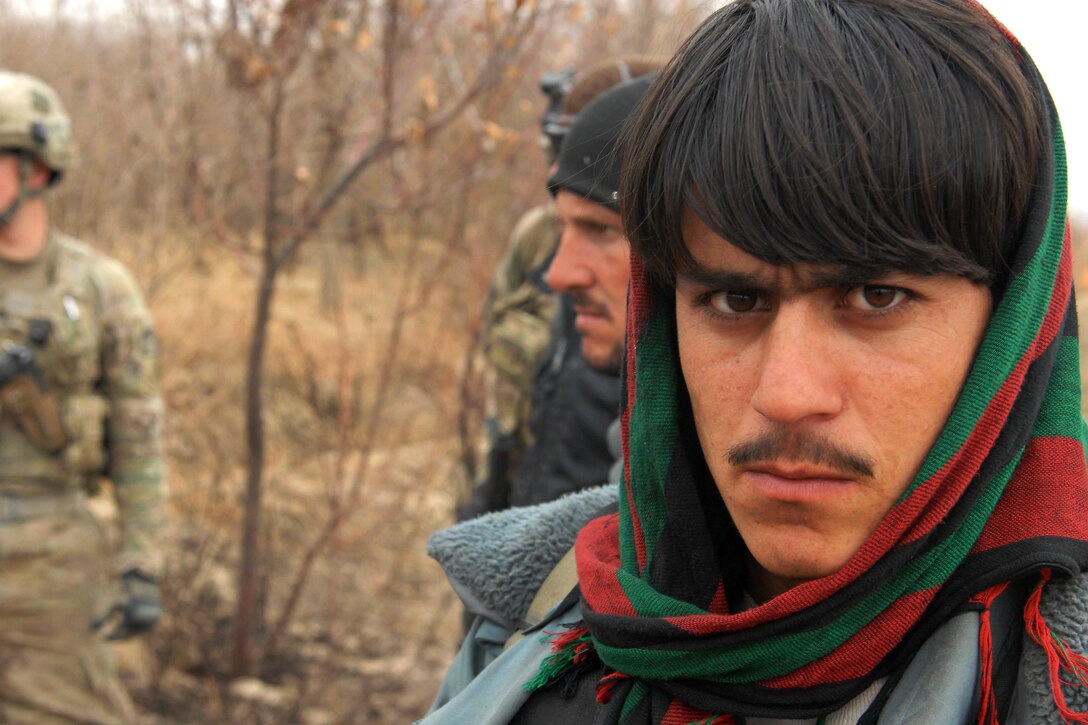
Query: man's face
point(9, 178)
point(15, 244)
point(593, 266)
point(816, 394)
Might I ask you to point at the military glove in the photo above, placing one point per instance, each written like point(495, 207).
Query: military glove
point(140, 608)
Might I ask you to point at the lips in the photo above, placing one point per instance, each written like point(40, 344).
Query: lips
point(589, 317)
point(589, 311)
point(796, 483)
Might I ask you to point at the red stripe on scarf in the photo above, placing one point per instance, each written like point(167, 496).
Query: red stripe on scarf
point(680, 714)
point(639, 309)
point(855, 658)
point(596, 558)
point(1042, 497)
point(719, 604)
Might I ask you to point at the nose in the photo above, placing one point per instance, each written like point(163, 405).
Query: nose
point(569, 270)
point(799, 373)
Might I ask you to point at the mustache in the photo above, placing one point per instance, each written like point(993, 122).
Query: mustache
point(579, 298)
point(799, 447)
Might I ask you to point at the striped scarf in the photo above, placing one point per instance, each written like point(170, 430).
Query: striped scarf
point(1002, 495)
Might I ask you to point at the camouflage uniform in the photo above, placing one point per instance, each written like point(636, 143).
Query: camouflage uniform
point(517, 316)
point(82, 316)
point(100, 361)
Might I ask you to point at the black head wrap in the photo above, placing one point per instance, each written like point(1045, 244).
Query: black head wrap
point(589, 160)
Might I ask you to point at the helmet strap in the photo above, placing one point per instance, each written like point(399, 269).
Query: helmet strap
point(24, 193)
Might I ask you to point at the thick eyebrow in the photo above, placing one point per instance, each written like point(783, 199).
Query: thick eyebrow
point(841, 277)
point(835, 277)
point(724, 279)
point(594, 213)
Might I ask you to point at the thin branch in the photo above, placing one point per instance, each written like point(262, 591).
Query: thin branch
point(382, 148)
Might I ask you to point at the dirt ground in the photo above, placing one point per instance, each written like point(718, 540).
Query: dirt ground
point(360, 430)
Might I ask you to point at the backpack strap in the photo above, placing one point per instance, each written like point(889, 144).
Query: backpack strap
point(560, 586)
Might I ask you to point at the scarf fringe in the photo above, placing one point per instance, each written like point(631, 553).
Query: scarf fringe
point(1058, 654)
point(572, 653)
point(608, 683)
point(987, 711)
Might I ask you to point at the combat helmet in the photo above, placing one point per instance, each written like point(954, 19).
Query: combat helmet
point(33, 120)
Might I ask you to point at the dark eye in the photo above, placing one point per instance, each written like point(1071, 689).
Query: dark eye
point(734, 303)
point(875, 297)
point(603, 230)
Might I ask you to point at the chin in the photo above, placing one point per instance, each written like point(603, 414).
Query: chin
point(806, 571)
point(601, 358)
point(802, 566)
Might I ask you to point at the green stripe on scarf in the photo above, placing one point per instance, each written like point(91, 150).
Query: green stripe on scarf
point(653, 428)
point(1063, 397)
point(1011, 331)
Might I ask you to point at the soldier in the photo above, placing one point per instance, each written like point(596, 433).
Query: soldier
point(517, 313)
point(79, 398)
point(549, 408)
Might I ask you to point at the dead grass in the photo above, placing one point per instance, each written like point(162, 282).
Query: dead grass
point(376, 624)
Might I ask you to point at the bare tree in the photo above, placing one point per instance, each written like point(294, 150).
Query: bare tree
point(263, 57)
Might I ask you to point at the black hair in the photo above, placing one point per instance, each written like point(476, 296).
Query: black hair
point(879, 134)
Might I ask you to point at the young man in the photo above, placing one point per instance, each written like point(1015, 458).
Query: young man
point(79, 398)
point(855, 484)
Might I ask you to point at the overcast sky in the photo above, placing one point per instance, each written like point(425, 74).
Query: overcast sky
point(1054, 35)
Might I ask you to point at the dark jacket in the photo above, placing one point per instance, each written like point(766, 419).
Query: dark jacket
point(571, 409)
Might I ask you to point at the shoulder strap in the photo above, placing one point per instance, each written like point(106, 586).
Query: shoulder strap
point(557, 587)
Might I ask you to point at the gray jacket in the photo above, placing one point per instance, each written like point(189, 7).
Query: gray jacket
point(497, 563)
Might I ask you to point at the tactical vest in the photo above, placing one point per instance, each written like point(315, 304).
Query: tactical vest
point(60, 325)
point(571, 410)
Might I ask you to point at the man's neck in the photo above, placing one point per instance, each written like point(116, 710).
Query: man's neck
point(763, 586)
point(23, 239)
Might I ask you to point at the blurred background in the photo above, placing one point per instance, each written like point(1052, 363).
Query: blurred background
point(313, 195)
point(1048, 29)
